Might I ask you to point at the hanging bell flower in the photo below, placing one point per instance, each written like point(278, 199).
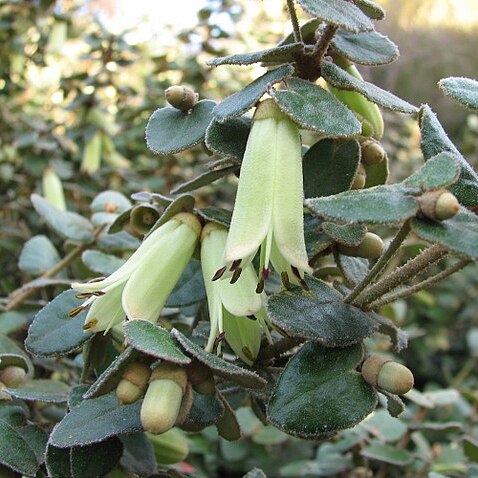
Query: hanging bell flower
point(268, 213)
point(140, 287)
point(236, 312)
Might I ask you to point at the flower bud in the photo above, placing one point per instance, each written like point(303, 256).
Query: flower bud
point(201, 378)
point(13, 376)
point(91, 160)
point(360, 178)
point(182, 97)
point(371, 247)
point(169, 447)
point(439, 205)
point(53, 189)
point(384, 373)
point(162, 402)
point(134, 382)
point(143, 217)
point(372, 152)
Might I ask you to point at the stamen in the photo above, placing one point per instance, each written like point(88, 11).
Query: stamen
point(219, 273)
point(90, 324)
point(235, 264)
point(98, 279)
point(304, 284)
point(251, 317)
point(74, 312)
point(248, 353)
point(86, 295)
point(296, 272)
point(285, 280)
point(236, 275)
point(265, 273)
point(260, 286)
point(218, 340)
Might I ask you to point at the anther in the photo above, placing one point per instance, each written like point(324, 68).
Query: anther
point(260, 286)
point(74, 312)
point(265, 273)
point(285, 280)
point(251, 317)
point(90, 324)
point(219, 273)
point(235, 265)
point(236, 275)
point(248, 354)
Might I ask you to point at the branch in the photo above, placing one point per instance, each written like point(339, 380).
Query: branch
point(295, 21)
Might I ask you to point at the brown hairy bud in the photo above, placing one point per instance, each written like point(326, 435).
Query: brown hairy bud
point(382, 372)
point(182, 97)
point(13, 376)
point(439, 205)
point(133, 383)
point(372, 152)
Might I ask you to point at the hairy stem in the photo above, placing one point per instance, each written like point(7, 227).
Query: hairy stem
point(295, 21)
point(324, 41)
point(278, 348)
point(402, 274)
point(19, 295)
point(421, 285)
point(381, 263)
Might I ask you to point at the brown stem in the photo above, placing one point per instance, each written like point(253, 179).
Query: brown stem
point(295, 21)
point(278, 348)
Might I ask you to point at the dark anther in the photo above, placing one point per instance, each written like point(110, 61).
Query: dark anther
point(265, 273)
point(252, 317)
point(235, 264)
point(236, 275)
point(260, 286)
point(75, 311)
point(285, 280)
point(219, 273)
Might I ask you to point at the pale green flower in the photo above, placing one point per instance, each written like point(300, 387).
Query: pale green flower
point(140, 287)
point(236, 312)
point(268, 213)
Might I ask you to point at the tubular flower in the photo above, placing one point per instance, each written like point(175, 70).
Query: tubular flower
point(140, 287)
point(268, 213)
point(236, 312)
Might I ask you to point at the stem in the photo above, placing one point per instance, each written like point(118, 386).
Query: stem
point(381, 263)
point(421, 285)
point(23, 292)
point(278, 348)
point(295, 21)
point(323, 43)
point(404, 273)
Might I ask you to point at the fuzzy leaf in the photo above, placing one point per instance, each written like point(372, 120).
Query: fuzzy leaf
point(229, 138)
point(37, 438)
point(11, 322)
point(12, 354)
point(439, 171)
point(319, 315)
point(348, 234)
point(216, 214)
point(459, 234)
point(434, 140)
point(377, 205)
point(315, 240)
point(110, 201)
point(345, 81)
point(366, 48)
point(338, 12)
point(226, 370)
point(41, 390)
point(354, 269)
point(388, 454)
point(101, 263)
point(204, 179)
point(68, 224)
point(319, 392)
point(371, 9)
point(153, 340)
point(189, 288)
point(206, 410)
point(170, 130)
point(463, 90)
point(243, 100)
point(276, 55)
point(95, 420)
point(309, 105)
point(376, 174)
point(38, 255)
point(53, 333)
point(138, 455)
point(329, 167)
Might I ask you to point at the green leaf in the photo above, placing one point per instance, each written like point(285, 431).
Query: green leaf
point(276, 55)
point(459, 234)
point(190, 287)
point(117, 242)
point(11, 322)
point(41, 390)
point(12, 354)
point(463, 90)
point(354, 269)
point(345, 81)
point(319, 392)
point(319, 314)
point(339, 13)
point(470, 447)
point(53, 333)
point(204, 179)
point(376, 174)
point(255, 473)
point(170, 130)
point(228, 425)
point(37, 439)
point(329, 167)
point(153, 340)
point(309, 105)
point(387, 454)
point(67, 224)
point(385, 427)
point(366, 48)
point(243, 100)
point(38, 255)
point(14, 415)
point(111, 202)
point(229, 138)
point(307, 31)
point(226, 370)
point(377, 205)
point(434, 140)
point(216, 214)
point(101, 263)
point(395, 405)
point(95, 420)
point(315, 240)
point(57, 461)
point(371, 9)
point(15, 452)
point(439, 171)
point(206, 410)
point(138, 455)
point(348, 234)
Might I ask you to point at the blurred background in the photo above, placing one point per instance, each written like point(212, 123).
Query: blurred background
point(78, 82)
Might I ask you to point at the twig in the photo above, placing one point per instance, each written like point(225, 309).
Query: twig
point(295, 21)
point(323, 42)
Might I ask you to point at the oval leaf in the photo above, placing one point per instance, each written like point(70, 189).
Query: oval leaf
point(229, 137)
point(38, 255)
point(463, 90)
point(42, 390)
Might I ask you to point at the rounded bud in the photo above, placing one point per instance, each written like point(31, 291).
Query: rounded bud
point(382, 372)
point(182, 97)
point(13, 376)
point(439, 205)
point(133, 383)
point(360, 178)
point(372, 152)
point(371, 247)
point(143, 217)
